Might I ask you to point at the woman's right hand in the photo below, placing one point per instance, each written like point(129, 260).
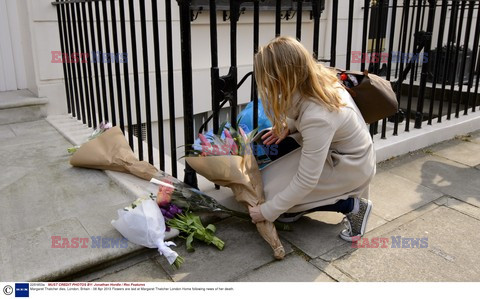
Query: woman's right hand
point(271, 138)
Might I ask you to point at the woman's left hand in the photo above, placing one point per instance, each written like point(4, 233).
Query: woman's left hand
point(256, 214)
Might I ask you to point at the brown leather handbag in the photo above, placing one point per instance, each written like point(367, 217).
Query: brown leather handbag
point(373, 95)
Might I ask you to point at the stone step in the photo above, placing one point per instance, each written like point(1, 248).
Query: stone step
point(21, 106)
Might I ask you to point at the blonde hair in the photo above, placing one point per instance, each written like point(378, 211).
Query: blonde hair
point(284, 67)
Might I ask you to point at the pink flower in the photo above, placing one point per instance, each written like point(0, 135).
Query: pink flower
point(214, 150)
point(164, 195)
point(231, 142)
point(203, 140)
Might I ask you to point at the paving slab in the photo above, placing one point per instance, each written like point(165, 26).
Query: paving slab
point(292, 269)
point(316, 233)
point(6, 132)
point(374, 221)
point(244, 251)
point(450, 255)
point(458, 150)
point(440, 174)
point(460, 206)
point(29, 255)
point(331, 270)
point(475, 136)
point(114, 267)
point(393, 196)
point(387, 228)
point(34, 131)
point(148, 270)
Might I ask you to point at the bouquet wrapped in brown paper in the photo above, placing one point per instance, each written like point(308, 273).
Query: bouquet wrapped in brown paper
point(110, 151)
point(230, 163)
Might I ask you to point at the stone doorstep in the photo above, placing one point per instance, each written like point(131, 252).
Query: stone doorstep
point(21, 106)
point(19, 98)
point(22, 102)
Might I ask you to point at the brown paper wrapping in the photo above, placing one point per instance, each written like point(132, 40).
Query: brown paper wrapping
point(241, 174)
point(110, 151)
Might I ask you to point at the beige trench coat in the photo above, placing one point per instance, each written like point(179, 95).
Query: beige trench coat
point(336, 159)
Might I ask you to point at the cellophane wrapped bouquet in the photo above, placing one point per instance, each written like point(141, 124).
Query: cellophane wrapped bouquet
point(229, 161)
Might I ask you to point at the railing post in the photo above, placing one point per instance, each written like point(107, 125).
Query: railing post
point(214, 72)
point(389, 62)
point(146, 81)
point(61, 28)
point(436, 69)
point(349, 34)
point(333, 46)
point(256, 29)
point(453, 73)
point(233, 72)
point(136, 80)
point(278, 14)
point(113, 116)
point(316, 13)
point(423, 77)
point(474, 62)
point(298, 33)
point(171, 92)
point(366, 7)
point(471, 6)
point(186, 56)
point(86, 100)
point(123, 30)
point(117, 66)
point(77, 50)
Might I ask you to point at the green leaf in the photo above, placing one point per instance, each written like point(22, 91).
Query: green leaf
point(211, 228)
point(178, 262)
point(282, 226)
point(218, 243)
point(189, 243)
point(220, 129)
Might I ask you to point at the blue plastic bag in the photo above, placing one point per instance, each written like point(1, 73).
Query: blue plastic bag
point(245, 118)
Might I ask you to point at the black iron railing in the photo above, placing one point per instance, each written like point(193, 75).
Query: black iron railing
point(447, 31)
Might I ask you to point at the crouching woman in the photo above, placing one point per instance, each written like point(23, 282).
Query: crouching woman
point(336, 162)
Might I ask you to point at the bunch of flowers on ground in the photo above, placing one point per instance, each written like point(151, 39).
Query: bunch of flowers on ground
point(174, 204)
point(104, 126)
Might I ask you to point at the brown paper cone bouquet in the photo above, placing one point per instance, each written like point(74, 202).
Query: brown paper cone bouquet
point(230, 162)
point(110, 151)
